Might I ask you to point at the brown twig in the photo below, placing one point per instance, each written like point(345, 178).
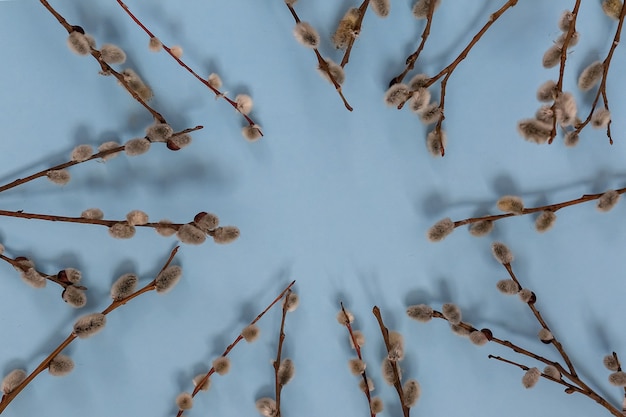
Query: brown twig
point(7, 398)
point(447, 71)
point(551, 207)
point(106, 68)
point(239, 338)
point(279, 351)
point(323, 65)
point(218, 93)
point(357, 30)
point(396, 373)
point(605, 72)
point(53, 278)
point(411, 59)
point(68, 164)
point(357, 348)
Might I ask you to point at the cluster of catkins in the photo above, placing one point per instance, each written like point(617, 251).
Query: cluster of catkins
point(90, 324)
point(562, 110)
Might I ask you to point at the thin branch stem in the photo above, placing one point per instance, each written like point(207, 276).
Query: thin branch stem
point(279, 351)
point(396, 373)
point(411, 59)
point(7, 398)
point(357, 30)
point(68, 164)
point(218, 93)
point(323, 65)
point(106, 68)
point(238, 339)
point(551, 207)
point(357, 348)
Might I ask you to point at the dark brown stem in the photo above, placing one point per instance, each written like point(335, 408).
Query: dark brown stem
point(397, 384)
point(551, 207)
point(279, 351)
point(411, 59)
point(68, 164)
point(605, 72)
point(215, 91)
point(106, 68)
point(7, 398)
point(357, 31)
point(236, 341)
point(357, 348)
point(323, 65)
point(559, 84)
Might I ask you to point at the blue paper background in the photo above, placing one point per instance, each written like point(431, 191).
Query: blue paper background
point(338, 201)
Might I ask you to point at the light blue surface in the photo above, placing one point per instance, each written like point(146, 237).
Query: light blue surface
point(338, 201)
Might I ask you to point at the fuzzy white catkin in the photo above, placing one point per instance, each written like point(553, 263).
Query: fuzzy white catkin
point(12, 380)
point(565, 20)
point(122, 230)
point(221, 365)
point(396, 346)
point(525, 295)
point(345, 31)
point(136, 217)
point(60, 365)
point(344, 317)
point(112, 54)
point(565, 108)
point(552, 56)
point(534, 130)
point(420, 8)
point(440, 230)
point(306, 35)
point(33, 278)
point(251, 333)
point(291, 302)
point(419, 81)
point(452, 313)
point(420, 312)
point(251, 132)
point(436, 142)
point(226, 234)
point(286, 371)
point(431, 114)
point(380, 7)
point(571, 139)
point(376, 405)
point(610, 363)
point(397, 94)
point(545, 92)
point(184, 401)
point(73, 275)
point(266, 406)
point(155, 44)
point(81, 153)
point(502, 253)
point(608, 200)
point(164, 228)
point(459, 330)
point(177, 51)
point(600, 118)
point(412, 391)
point(244, 103)
point(335, 70)
point(545, 221)
point(78, 43)
point(531, 377)
point(124, 286)
point(481, 228)
point(590, 76)
point(89, 325)
point(419, 100)
point(551, 371)
point(357, 366)
point(478, 338)
point(168, 278)
point(1, 248)
point(387, 369)
point(507, 286)
point(369, 386)
point(510, 204)
point(177, 142)
point(214, 81)
point(198, 378)
point(92, 213)
point(159, 132)
point(136, 84)
point(137, 146)
point(190, 234)
point(359, 337)
point(107, 146)
point(206, 221)
point(545, 335)
point(59, 176)
point(74, 296)
point(618, 379)
point(612, 8)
